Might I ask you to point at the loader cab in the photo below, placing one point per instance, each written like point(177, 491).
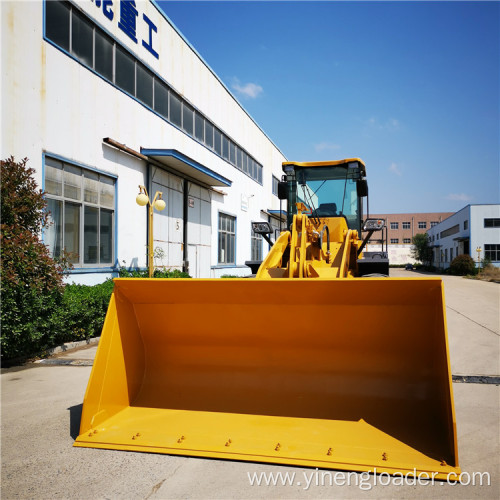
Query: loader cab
point(329, 189)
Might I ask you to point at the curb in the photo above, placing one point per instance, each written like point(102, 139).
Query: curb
point(71, 345)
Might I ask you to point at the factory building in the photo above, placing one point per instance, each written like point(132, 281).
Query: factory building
point(474, 230)
point(103, 97)
point(399, 231)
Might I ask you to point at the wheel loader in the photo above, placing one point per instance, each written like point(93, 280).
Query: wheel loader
point(320, 361)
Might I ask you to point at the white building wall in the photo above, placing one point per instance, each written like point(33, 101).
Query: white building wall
point(445, 249)
point(471, 234)
point(480, 235)
point(52, 104)
point(398, 254)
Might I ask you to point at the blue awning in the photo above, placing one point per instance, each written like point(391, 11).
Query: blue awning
point(278, 213)
point(185, 165)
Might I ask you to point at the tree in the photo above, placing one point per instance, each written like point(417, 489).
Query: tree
point(421, 250)
point(31, 280)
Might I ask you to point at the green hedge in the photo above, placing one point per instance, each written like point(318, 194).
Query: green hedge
point(76, 315)
point(158, 273)
point(82, 312)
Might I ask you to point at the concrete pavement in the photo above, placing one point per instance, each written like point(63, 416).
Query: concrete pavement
point(41, 407)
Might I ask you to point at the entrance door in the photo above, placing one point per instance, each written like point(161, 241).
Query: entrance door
point(168, 224)
point(199, 231)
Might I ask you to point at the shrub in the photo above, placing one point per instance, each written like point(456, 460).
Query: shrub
point(462, 265)
point(31, 280)
point(82, 311)
point(158, 273)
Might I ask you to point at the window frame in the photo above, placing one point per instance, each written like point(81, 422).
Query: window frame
point(488, 252)
point(256, 243)
point(274, 188)
point(394, 226)
point(81, 265)
point(230, 237)
point(495, 222)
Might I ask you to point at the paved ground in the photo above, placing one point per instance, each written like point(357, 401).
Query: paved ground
point(41, 406)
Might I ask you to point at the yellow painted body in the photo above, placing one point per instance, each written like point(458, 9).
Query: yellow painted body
point(307, 258)
point(338, 376)
point(313, 367)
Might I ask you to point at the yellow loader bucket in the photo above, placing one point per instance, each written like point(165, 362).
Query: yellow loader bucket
point(345, 374)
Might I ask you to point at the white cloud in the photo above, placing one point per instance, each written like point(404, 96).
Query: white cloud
point(459, 197)
point(248, 90)
point(394, 169)
point(389, 124)
point(393, 123)
point(326, 146)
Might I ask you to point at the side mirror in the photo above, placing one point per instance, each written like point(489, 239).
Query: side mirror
point(282, 190)
point(373, 224)
point(362, 188)
point(262, 228)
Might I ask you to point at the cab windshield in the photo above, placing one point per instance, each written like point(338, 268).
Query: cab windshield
point(328, 192)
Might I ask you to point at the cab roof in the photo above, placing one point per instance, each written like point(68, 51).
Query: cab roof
point(336, 163)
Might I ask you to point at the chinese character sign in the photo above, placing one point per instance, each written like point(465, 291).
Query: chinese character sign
point(128, 15)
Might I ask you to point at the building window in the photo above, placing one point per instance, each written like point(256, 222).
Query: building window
point(104, 47)
point(227, 237)
point(394, 241)
point(434, 223)
point(199, 127)
point(394, 225)
point(144, 85)
point(225, 148)
point(57, 23)
point(256, 250)
point(71, 30)
point(275, 185)
point(446, 255)
point(175, 109)
point(491, 222)
point(218, 141)
point(492, 252)
point(125, 71)
point(82, 34)
point(406, 225)
point(209, 135)
point(232, 152)
point(422, 225)
point(450, 231)
point(187, 118)
point(406, 241)
point(81, 206)
point(466, 225)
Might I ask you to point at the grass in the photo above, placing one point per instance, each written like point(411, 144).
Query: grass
point(489, 273)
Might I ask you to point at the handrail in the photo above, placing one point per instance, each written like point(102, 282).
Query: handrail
point(344, 263)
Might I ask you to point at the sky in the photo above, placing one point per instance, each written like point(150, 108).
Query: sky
point(411, 88)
